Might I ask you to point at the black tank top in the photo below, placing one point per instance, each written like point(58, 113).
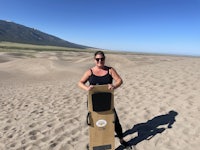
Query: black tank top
point(100, 80)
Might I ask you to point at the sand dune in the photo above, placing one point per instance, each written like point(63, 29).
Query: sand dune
point(41, 107)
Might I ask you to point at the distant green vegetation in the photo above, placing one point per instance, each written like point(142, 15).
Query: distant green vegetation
point(17, 33)
point(12, 47)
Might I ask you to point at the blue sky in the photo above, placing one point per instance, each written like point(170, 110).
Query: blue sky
point(154, 26)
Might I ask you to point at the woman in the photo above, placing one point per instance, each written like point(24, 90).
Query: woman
point(100, 75)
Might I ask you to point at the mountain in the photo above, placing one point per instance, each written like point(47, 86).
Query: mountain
point(13, 32)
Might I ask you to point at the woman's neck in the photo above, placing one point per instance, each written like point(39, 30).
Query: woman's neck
point(99, 67)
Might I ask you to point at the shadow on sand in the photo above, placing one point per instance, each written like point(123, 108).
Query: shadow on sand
point(149, 129)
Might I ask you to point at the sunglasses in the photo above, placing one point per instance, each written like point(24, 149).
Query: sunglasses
point(98, 59)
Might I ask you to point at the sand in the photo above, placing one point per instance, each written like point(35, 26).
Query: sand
point(41, 107)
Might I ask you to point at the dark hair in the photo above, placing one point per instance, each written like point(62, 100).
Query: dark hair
point(99, 53)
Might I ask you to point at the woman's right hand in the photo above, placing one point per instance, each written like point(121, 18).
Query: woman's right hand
point(90, 87)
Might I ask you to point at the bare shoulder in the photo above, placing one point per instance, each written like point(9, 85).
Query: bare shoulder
point(88, 72)
point(114, 73)
point(112, 70)
point(86, 75)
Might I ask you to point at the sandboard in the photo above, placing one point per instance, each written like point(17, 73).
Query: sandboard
point(101, 118)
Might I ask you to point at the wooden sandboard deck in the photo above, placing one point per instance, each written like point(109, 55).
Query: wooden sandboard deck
point(100, 107)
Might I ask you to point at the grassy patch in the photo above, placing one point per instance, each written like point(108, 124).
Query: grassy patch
point(13, 47)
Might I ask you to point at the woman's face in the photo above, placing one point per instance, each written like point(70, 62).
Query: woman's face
point(99, 60)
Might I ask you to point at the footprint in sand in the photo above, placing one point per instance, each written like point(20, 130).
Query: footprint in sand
point(35, 147)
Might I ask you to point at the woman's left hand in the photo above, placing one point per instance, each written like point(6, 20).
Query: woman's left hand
point(111, 87)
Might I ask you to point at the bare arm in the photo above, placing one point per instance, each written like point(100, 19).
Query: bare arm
point(83, 80)
point(117, 79)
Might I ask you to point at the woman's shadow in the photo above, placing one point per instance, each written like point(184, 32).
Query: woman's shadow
point(149, 129)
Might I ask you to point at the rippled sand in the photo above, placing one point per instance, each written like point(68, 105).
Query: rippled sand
point(41, 107)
